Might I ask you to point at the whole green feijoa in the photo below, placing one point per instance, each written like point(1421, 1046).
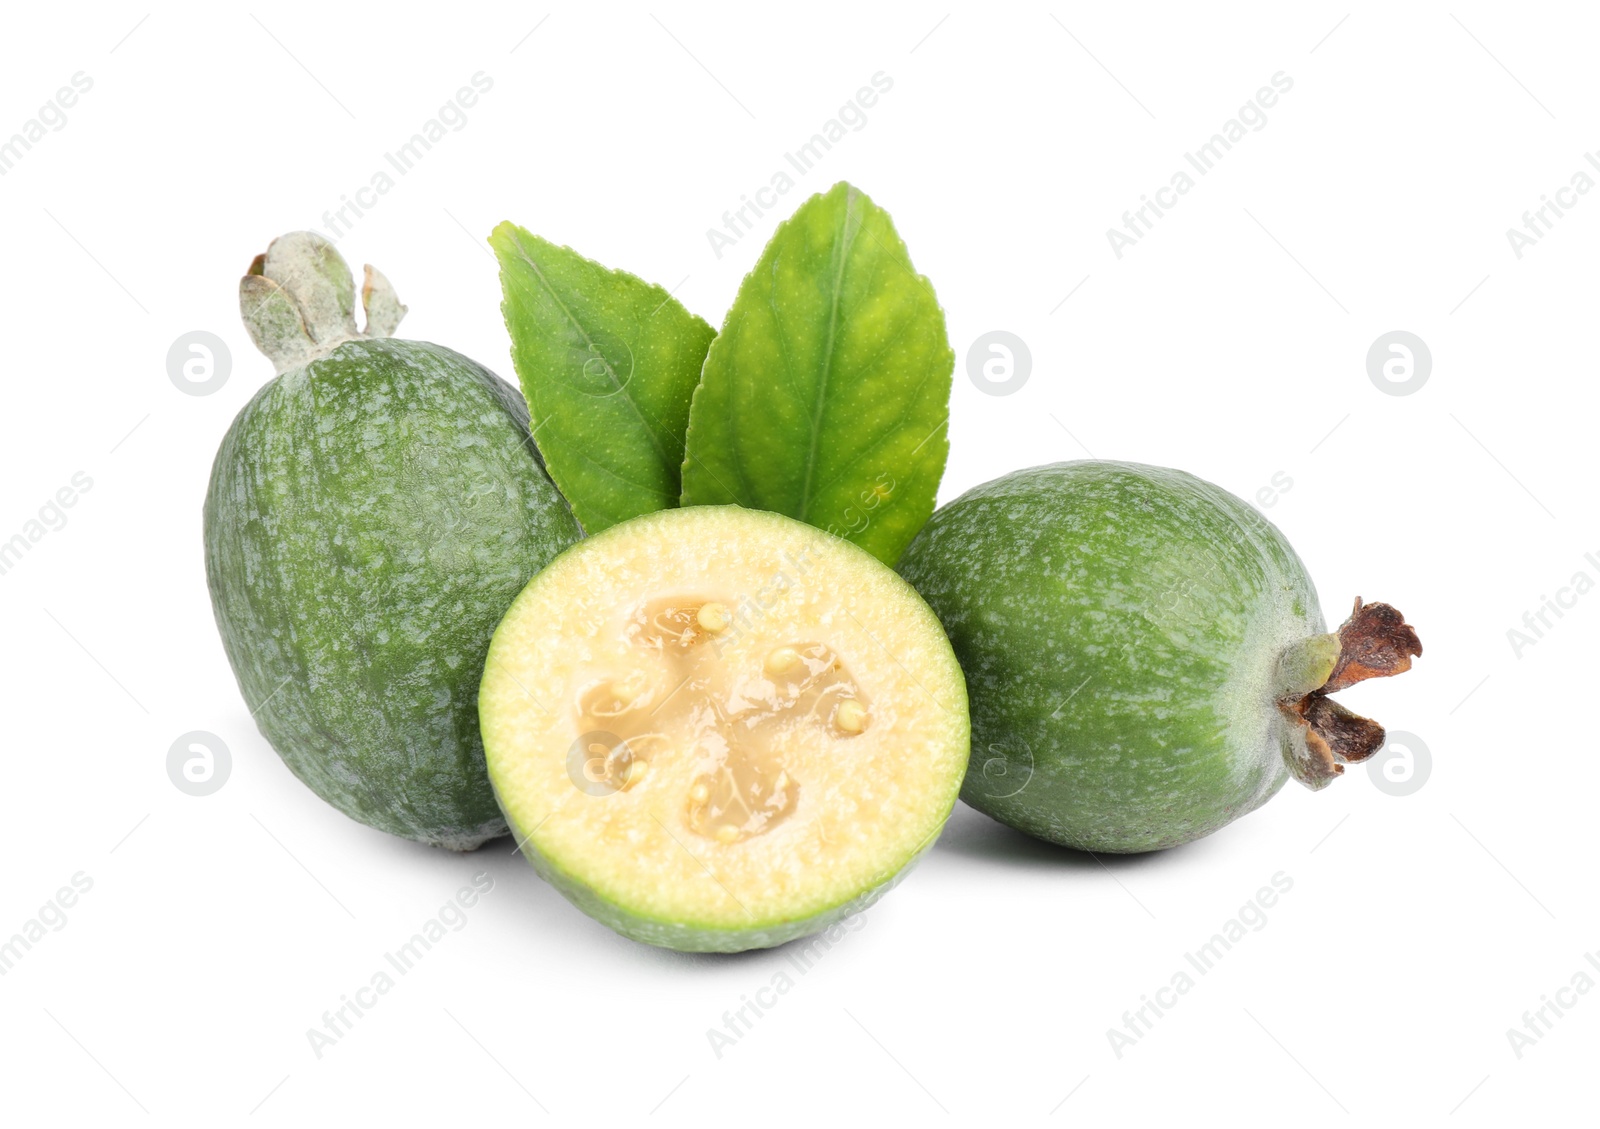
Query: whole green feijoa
point(372, 513)
point(1145, 657)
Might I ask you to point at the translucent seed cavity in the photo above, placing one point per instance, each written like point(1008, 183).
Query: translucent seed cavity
point(696, 706)
point(740, 798)
point(677, 625)
point(608, 699)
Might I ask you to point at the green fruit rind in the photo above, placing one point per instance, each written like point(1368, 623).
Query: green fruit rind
point(1122, 629)
point(370, 516)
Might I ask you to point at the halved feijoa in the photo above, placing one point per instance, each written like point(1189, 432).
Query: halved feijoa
point(717, 729)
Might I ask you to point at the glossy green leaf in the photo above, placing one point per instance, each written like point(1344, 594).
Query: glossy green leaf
point(608, 363)
point(826, 395)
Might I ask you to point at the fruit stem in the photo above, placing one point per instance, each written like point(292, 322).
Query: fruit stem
point(1375, 642)
point(298, 301)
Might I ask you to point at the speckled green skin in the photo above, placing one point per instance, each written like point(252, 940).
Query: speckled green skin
point(370, 518)
point(1119, 626)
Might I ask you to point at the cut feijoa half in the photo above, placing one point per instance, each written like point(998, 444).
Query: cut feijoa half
point(718, 729)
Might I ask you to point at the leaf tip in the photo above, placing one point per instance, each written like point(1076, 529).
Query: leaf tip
point(503, 236)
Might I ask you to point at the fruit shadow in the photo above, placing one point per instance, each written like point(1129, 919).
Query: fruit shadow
point(972, 835)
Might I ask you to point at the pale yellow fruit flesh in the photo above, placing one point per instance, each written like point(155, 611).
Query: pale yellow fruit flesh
point(723, 719)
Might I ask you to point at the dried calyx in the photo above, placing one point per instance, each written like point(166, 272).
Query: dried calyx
point(298, 301)
point(1375, 642)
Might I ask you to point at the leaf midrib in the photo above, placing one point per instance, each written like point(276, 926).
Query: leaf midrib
point(841, 254)
point(622, 389)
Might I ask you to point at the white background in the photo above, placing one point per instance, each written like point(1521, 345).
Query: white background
point(1231, 341)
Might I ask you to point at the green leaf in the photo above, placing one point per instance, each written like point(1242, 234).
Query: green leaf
point(826, 395)
point(608, 363)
